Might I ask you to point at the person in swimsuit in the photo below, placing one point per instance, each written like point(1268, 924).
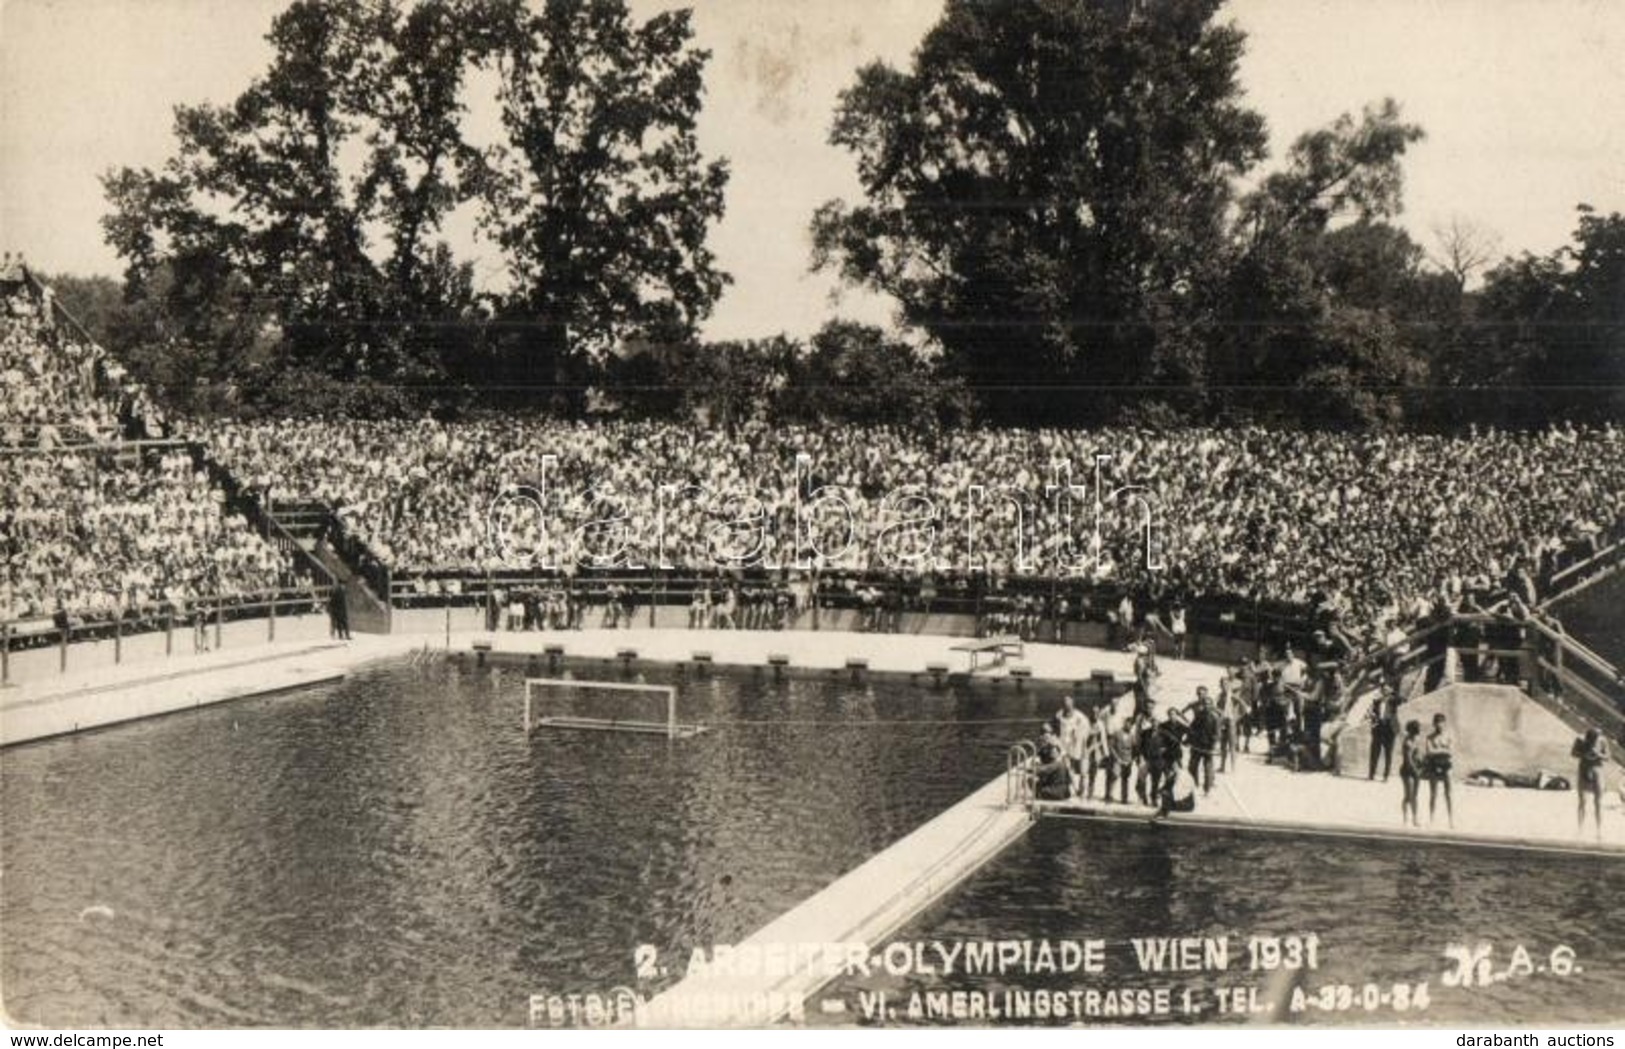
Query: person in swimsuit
point(1438, 751)
point(1229, 721)
point(1120, 758)
point(1097, 753)
point(1410, 772)
point(1072, 728)
point(1052, 774)
point(1591, 751)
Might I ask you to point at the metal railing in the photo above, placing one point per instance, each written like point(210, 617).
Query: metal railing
point(1050, 607)
point(1018, 772)
point(196, 627)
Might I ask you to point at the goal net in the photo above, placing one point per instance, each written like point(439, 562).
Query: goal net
point(604, 706)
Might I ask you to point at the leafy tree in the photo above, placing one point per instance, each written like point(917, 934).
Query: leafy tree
point(207, 341)
point(320, 196)
point(1310, 311)
point(92, 301)
point(737, 381)
point(1043, 188)
point(857, 373)
point(1553, 328)
point(1350, 169)
point(316, 192)
point(600, 198)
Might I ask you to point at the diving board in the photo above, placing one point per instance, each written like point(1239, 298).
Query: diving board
point(1000, 647)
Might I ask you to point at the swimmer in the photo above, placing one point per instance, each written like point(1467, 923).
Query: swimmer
point(1410, 772)
point(1438, 749)
point(1591, 751)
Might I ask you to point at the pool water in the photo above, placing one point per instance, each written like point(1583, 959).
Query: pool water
point(391, 851)
point(1380, 913)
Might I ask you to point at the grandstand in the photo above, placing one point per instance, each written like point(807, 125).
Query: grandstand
point(1339, 544)
point(107, 520)
point(1370, 531)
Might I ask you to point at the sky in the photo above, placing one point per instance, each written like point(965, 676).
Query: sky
point(1523, 103)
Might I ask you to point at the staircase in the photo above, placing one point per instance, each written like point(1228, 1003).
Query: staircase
point(368, 613)
point(1564, 678)
point(311, 525)
point(1595, 615)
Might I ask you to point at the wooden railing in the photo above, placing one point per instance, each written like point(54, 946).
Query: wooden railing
point(1570, 680)
point(1568, 581)
point(1582, 687)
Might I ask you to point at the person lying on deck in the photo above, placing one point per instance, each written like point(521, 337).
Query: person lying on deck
point(1539, 780)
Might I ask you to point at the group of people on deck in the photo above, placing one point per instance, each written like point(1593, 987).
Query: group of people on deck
point(1166, 760)
point(1422, 759)
point(1100, 751)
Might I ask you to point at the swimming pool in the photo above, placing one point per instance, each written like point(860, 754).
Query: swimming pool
point(390, 850)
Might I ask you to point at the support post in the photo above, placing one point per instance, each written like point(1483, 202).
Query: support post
point(1055, 609)
point(5, 653)
point(219, 619)
point(270, 621)
point(448, 625)
point(169, 631)
point(62, 657)
point(118, 637)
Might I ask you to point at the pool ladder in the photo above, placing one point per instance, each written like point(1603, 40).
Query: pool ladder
point(1018, 773)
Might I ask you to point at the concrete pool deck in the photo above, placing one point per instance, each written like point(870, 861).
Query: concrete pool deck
point(93, 699)
point(1257, 797)
point(108, 695)
point(856, 912)
point(912, 654)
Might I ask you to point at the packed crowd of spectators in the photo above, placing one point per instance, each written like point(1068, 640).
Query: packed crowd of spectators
point(92, 527)
point(56, 385)
point(1369, 532)
point(97, 532)
point(1372, 530)
point(43, 383)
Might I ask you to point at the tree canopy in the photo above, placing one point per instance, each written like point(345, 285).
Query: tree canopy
point(1051, 192)
point(316, 203)
point(1042, 186)
point(1070, 202)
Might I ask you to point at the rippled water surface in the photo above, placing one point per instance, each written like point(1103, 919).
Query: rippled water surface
point(1382, 914)
point(390, 850)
